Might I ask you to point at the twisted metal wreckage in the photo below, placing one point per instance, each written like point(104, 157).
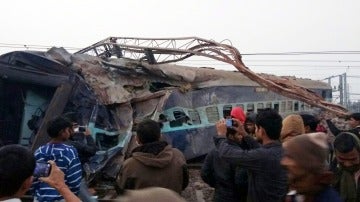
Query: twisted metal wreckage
point(117, 82)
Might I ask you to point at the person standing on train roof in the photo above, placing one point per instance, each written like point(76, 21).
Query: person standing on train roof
point(267, 178)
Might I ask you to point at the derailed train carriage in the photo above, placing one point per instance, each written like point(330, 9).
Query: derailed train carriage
point(112, 92)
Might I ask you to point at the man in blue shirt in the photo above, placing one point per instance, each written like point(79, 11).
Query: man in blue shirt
point(65, 157)
point(17, 165)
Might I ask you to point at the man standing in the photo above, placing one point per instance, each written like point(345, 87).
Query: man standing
point(229, 180)
point(347, 152)
point(305, 159)
point(310, 123)
point(81, 139)
point(85, 145)
point(267, 179)
point(17, 165)
point(154, 163)
point(63, 155)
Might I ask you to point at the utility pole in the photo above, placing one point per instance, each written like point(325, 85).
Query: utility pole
point(342, 88)
point(346, 94)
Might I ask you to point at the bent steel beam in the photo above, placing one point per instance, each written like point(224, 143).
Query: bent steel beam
point(168, 50)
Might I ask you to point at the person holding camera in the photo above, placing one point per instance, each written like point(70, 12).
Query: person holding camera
point(229, 180)
point(17, 167)
point(65, 157)
point(267, 178)
point(81, 139)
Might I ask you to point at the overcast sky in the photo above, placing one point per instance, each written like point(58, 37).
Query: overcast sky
point(253, 26)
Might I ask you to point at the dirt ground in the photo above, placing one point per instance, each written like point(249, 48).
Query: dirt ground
point(197, 190)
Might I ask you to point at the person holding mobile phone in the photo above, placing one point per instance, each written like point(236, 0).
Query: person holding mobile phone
point(267, 178)
point(17, 167)
point(65, 157)
point(81, 139)
point(229, 180)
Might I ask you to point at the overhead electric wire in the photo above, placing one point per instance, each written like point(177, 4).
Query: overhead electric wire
point(31, 46)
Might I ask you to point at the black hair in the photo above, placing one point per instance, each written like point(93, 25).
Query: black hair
point(355, 116)
point(271, 122)
point(148, 131)
point(56, 125)
point(310, 120)
point(345, 142)
point(250, 117)
point(17, 163)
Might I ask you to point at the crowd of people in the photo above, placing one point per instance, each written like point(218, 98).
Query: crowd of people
point(257, 157)
point(288, 159)
point(155, 171)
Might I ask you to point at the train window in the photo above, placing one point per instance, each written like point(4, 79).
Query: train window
point(296, 106)
point(240, 105)
point(227, 110)
point(282, 106)
point(194, 117)
point(261, 89)
point(212, 114)
point(268, 105)
point(180, 118)
point(250, 107)
point(306, 107)
point(260, 106)
point(276, 106)
point(323, 94)
point(289, 106)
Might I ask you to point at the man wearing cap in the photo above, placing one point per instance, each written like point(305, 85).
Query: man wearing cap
point(353, 121)
point(347, 152)
point(229, 180)
point(305, 160)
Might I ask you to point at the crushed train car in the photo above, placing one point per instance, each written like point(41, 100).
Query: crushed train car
point(112, 94)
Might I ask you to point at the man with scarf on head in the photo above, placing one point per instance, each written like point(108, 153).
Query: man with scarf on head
point(308, 173)
point(347, 152)
point(153, 163)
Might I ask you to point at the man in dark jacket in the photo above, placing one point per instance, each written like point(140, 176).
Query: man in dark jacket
point(347, 152)
point(154, 163)
point(267, 178)
point(229, 180)
point(81, 139)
